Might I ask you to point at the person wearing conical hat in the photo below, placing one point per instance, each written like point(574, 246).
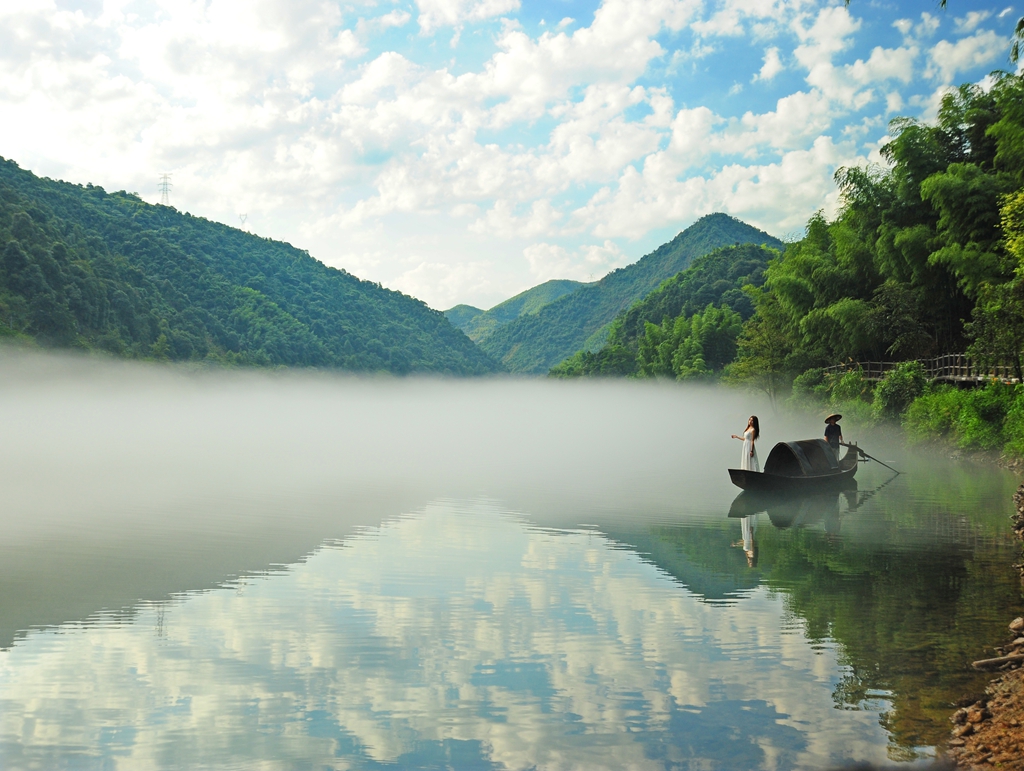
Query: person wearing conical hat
point(833, 433)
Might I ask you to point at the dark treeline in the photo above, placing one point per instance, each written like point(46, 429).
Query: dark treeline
point(82, 268)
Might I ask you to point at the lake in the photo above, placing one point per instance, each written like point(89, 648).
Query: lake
point(282, 571)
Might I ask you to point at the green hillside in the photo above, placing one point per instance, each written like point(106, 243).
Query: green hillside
point(83, 268)
point(535, 343)
point(714, 280)
point(717, 278)
point(479, 324)
point(461, 315)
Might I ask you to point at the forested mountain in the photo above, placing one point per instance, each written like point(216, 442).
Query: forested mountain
point(534, 343)
point(479, 324)
point(460, 315)
point(83, 268)
point(687, 326)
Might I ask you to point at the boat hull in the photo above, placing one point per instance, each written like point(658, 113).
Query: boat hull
point(762, 482)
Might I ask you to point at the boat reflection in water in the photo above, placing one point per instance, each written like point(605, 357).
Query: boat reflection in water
point(787, 510)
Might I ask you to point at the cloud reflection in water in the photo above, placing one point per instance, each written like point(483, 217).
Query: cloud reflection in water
point(458, 636)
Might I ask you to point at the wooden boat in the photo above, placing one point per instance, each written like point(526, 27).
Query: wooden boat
point(805, 465)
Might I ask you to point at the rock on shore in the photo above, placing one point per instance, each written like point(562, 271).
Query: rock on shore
point(989, 732)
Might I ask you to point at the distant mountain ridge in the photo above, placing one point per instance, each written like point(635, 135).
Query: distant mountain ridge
point(536, 342)
point(87, 269)
point(478, 324)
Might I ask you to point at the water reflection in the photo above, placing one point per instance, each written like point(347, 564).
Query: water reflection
point(459, 635)
point(217, 572)
point(908, 594)
point(795, 510)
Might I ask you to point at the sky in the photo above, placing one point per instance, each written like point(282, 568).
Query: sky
point(462, 151)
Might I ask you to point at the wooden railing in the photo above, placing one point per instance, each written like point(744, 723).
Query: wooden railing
point(949, 368)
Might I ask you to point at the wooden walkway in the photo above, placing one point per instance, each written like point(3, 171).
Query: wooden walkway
point(956, 368)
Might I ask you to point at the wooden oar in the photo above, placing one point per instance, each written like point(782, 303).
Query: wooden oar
point(869, 457)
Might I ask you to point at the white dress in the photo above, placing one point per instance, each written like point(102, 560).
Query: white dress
point(749, 461)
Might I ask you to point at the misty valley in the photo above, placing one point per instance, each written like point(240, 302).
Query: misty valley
point(286, 570)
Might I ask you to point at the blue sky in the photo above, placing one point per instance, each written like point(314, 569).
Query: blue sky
point(465, 150)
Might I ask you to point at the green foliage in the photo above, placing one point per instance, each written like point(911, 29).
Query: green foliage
point(83, 268)
point(849, 386)
point(462, 315)
point(610, 361)
point(1013, 427)
point(916, 248)
point(983, 418)
point(715, 279)
point(479, 324)
point(694, 348)
point(900, 386)
point(933, 415)
point(536, 342)
point(765, 347)
point(812, 387)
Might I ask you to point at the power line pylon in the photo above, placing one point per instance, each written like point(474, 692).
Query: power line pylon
point(165, 189)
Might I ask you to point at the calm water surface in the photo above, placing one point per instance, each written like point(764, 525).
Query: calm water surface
point(202, 572)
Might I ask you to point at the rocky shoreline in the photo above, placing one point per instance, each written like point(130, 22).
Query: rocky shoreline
point(988, 731)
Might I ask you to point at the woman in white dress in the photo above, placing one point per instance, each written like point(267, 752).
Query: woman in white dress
point(749, 460)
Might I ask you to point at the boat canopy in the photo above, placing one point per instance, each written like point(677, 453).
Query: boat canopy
point(805, 458)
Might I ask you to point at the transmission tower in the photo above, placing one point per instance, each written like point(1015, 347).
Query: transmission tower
point(165, 189)
point(243, 218)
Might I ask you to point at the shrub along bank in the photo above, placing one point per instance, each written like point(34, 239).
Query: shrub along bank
point(986, 418)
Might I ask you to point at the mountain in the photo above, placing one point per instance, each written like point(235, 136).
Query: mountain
point(87, 269)
point(461, 315)
point(534, 343)
point(479, 324)
point(716, 279)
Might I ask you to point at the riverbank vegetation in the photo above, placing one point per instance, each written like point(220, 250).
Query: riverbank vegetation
point(924, 257)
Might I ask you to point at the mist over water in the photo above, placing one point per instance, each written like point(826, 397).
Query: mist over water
point(291, 570)
point(106, 439)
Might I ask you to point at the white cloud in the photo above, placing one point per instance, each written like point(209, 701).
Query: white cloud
point(394, 19)
point(775, 195)
point(946, 59)
point(586, 263)
point(905, 26)
point(732, 17)
point(929, 25)
point(829, 34)
point(772, 65)
point(452, 13)
point(971, 21)
point(502, 222)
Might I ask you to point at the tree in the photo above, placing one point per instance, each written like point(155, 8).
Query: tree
point(765, 347)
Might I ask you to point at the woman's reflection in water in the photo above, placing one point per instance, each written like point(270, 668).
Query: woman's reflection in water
point(748, 526)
